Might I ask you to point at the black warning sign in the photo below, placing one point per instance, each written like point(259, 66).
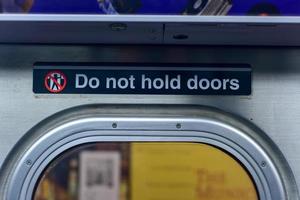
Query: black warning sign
point(162, 79)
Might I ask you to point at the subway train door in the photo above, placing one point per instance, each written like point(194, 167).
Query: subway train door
point(133, 152)
point(149, 100)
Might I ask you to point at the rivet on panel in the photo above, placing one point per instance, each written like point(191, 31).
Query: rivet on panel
point(28, 162)
point(114, 125)
point(178, 126)
point(263, 164)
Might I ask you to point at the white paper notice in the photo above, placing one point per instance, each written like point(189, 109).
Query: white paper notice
point(99, 175)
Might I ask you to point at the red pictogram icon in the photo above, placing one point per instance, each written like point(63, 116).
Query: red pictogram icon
point(55, 81)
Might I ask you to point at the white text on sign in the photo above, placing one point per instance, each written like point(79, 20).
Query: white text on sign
point(158, 83)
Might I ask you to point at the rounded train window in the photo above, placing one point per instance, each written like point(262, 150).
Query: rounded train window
point(145, 171)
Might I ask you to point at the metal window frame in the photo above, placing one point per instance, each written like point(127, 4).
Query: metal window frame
point(112, 123)
point(149, 29)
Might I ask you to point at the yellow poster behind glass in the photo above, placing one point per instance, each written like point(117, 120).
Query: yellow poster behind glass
point(187, 171)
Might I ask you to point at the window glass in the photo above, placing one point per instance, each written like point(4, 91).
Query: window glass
point(145, 171)
point(173, 7)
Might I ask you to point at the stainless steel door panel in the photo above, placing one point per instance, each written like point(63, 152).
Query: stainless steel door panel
point(274, 105)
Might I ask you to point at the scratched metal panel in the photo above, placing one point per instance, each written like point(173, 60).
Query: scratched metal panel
point(274, 105)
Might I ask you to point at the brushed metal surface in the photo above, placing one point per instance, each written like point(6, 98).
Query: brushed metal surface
point(274, 105)
point(149, 29)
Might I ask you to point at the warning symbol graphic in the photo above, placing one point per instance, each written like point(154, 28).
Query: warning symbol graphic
point(55, 81)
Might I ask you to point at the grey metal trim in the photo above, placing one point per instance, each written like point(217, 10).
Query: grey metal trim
point(149, 29)
point(150, 18)
point(69, 128)
point(146, 68)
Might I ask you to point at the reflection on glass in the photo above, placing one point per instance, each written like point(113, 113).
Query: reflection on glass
point(145, 171)
point(164, 7)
